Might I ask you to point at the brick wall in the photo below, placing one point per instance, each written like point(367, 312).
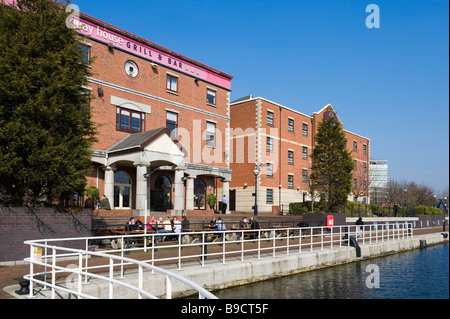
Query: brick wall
point(18, 224)
point(109, 66)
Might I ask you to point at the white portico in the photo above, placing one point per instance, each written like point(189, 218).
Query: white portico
point(134, 168)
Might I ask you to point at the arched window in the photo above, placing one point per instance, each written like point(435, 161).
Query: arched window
point(199, 193)
point(122, 190)
point(163, 188)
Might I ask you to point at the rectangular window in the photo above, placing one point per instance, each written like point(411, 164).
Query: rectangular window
point(355, 146)
point(290, 181)
point(211, 96)
point(85, 52)
point(269, 196)
point(291, 157)
point(305, 129)
point(304, 175)
point(210, 134)
point(270, 118)
point(305, 152)
point(129, 121)
point(269, 144)
point(364, 167)
point(355, 164)
point(291, 125)
point(172, 122)
point(172, 83)
point(364, 149)
point(269, 170)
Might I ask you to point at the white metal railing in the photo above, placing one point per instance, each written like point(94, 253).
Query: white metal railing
point(48, 261)
point(221, 245)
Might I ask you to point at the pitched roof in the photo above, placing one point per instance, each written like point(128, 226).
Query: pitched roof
point(137, 141)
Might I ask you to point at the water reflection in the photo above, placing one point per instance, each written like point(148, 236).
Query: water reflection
point(415, 274)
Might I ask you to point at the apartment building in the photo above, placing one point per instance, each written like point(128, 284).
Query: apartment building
point(160, 118)
point(279, 140)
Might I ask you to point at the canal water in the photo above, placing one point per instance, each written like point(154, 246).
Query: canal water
point(417, 274)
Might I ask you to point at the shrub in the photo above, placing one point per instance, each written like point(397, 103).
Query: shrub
point(211, 200)
point(93, 192)
point(299, 208)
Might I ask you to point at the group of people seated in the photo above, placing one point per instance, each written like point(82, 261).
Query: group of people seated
point(174, 225)
point(249, 223)
point(161, 226)
point(220, 224)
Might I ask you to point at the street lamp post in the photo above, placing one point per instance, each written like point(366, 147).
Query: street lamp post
point(444, 211)
point(255, 208)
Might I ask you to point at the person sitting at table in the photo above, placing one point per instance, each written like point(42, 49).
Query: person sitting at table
point(253, 223)
point(220, 225)
point(167, 227)
point(151, 225)
point(131, 225)
point(213, 222)
point(243, 223)
point(185, 224)
point(176, 225)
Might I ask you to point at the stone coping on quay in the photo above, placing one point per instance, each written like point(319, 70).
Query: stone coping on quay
point(215, 275)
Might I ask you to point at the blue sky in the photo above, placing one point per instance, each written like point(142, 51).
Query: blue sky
point(388, 84)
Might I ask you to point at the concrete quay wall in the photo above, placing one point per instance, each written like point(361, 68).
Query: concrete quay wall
point(215, 275)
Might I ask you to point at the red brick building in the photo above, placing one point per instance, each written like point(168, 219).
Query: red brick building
point(279, 140)
point(144, 93)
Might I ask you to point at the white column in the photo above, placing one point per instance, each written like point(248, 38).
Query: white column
point(109, 184)
point(190, 193)
point(178, 204)
point(226, 192)
point(141, 188)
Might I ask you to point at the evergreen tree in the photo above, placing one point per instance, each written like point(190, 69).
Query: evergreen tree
point(332, 164)
point(46, 131)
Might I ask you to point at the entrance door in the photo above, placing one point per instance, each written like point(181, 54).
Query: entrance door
point(122, 190)
point(163, 188)
point(199, 194)
point(232, 200)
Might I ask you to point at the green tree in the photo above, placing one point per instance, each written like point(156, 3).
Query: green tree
point(332, 164)
point(46, 132)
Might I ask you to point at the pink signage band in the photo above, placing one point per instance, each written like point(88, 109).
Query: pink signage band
point(104, 35)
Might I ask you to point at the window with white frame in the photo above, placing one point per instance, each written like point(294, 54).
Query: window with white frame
point(172, 122)
point(270, 118)
point(211, 96)
point(305, 129)
point(291, 125)
point(210, 134)
point(291, 157)
point(304, 175)
point(290, 181)
point(305, 152)
point(269, 170)
point(269, 144)
point(85, 52)
point(269, 196)
point(172, 83)
point(355, 146)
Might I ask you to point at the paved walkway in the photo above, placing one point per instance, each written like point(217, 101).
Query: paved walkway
point(11, 275)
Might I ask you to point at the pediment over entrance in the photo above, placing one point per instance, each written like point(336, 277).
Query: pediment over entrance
point(154, 147)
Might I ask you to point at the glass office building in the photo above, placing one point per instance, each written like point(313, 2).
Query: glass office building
point(378, 177)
